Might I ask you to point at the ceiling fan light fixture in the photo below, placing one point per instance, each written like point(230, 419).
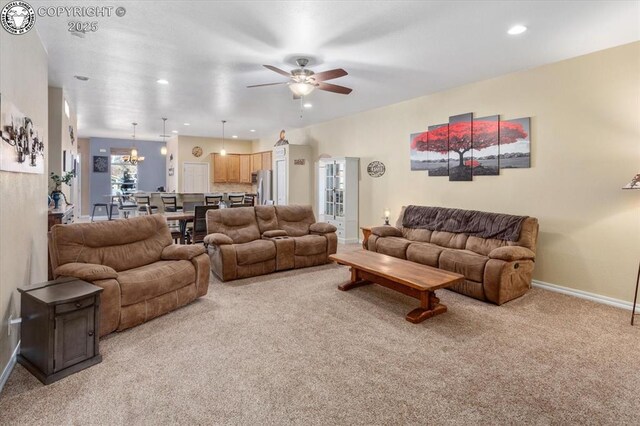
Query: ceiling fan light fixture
point(301, 89)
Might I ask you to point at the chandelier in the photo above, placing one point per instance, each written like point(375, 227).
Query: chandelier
point(133, 158)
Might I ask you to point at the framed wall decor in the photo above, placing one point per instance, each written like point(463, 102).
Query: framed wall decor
point(515, 145)
point(21, 147)
point(100, 164)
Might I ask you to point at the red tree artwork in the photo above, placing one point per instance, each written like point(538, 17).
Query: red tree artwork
point(455, 137)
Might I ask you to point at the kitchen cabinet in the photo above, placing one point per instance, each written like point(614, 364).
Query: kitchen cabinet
point(245, 168)
point(233, 168)
point(256, 162)
point(266, 161)
point(219, 168)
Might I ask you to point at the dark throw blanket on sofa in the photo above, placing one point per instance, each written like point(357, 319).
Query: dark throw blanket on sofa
point(480, 224)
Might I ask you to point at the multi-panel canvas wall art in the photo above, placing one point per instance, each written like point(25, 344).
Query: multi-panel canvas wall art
point(467, 147)
point(418, 153)
point(460, 149)
point(438, 150)
point(486, 149)
point(515, 146)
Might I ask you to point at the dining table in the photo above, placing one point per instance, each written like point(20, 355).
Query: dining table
point(183, 218)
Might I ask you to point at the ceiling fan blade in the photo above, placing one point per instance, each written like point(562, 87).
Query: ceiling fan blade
point(267, 84)
point(330, 75)
point(278, 70)
point(334, 88)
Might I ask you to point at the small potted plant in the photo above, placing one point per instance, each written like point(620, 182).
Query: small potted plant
point(57, 189)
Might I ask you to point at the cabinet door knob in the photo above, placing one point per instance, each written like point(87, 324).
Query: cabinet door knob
point(91, 333)
point(78, 304)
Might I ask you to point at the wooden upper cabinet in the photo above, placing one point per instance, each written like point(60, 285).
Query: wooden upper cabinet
point(233, 168)
point(219, 168)
point(256, 162)
point(245, 168)
point(266, 160)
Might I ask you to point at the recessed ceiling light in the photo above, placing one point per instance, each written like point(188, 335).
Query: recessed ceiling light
point(252, 130)
point(235, 136)
point(81, 77)
point(162, 81)
point(307, 105)
point(174, 131)
point(187, 124)
point(517, 29)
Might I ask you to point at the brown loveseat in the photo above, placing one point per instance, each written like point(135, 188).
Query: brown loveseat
point(496, 269)
point(142, 272)
point(249, 241)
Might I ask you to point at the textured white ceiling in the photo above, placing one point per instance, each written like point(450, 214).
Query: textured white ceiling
point(393, 50)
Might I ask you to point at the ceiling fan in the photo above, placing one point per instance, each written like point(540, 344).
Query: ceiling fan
point(303, 81)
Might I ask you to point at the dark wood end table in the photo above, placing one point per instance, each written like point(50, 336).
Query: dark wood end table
point(60, 327)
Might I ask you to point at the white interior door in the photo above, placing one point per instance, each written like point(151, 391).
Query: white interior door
point(195, 177)
point(281, 183)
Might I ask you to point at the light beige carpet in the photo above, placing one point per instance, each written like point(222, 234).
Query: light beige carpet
point(289, 348)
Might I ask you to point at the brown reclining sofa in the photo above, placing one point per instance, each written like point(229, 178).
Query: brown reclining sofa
point(248, 241)
point(142, 272)
point(497, 269)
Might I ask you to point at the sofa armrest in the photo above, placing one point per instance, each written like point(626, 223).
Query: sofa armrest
point(85, 271)
point(218, 239)
point(181, 252)
point(386, 231)
point(322, 228)
point(274, 233)
point(511, 253)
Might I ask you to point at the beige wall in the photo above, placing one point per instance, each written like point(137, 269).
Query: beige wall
point(23, 207)
point(185, 145)
point(60, 140)
point(585, 133)
point(85, 181)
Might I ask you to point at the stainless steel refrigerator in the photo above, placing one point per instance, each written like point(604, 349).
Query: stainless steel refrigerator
point(264, 184)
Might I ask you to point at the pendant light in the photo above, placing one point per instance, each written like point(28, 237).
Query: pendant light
point(163, 150)
point(134, 159)
point(223, 151)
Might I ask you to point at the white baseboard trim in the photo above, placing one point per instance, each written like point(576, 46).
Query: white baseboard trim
point(586, 295)
point(9, 367)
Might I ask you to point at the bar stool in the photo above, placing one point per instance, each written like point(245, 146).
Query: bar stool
point(104, 206)
point(236, 199)
point(212, 200)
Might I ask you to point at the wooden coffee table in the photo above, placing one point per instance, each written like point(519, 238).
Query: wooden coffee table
point(410, 278)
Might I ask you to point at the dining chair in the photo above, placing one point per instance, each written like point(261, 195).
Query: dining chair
point(142, 201)
point(170, 203)
point(211, 200)
point(199, 230)
point(125, 208)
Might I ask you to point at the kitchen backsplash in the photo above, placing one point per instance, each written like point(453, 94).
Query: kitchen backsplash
point(233, 187)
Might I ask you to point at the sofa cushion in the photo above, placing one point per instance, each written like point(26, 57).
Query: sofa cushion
point(448, 239)
point(424, 253)
point(239, 224)
point(393, 246)
point(149, 281)
point(308, 245)
point(255, 252)
point(484, 246)
point(266, 217)
point(118, 244)
point(416, 234)
point(295, 219)
point(464, 262)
